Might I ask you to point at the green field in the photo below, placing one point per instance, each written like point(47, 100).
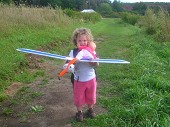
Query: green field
point(135, 95)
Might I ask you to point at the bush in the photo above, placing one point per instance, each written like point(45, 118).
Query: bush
point(115, 14)
point(148, 22)
point(163, 24)
point(130, 17)
point(70, 13)
point(92, 17)
point(156, 24)
point(88, 17)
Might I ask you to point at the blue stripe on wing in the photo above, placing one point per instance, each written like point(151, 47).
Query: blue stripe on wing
point(41, 53)
point(106, 61)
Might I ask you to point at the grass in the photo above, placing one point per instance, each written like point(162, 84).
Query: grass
point(7, 111)
point(30, 28)
point(135, 95)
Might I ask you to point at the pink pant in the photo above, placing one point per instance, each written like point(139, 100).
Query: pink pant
point(85, 92)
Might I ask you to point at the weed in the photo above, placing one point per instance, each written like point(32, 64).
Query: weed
point(3, 97)
point(23, 116)
point(43, 83)
point(7, 111)
point(36, 94)
point(37, 108)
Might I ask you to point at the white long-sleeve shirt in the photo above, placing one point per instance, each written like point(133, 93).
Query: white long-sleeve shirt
point(83, 71)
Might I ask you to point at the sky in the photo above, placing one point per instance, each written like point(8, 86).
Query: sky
point(134, 1)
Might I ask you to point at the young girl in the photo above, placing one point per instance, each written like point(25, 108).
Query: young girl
point(85, 78)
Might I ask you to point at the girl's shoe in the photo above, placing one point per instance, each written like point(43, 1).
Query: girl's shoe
point(79, 116)
point(90, 113)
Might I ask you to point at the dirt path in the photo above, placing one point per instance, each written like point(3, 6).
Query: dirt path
point(53, 98)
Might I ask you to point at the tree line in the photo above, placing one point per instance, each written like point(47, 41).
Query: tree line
point(104, 7)
point(72, 4)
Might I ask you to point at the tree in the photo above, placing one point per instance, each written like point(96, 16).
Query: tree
point(6, 1)
point(140, 8)
point(79, 5)
point(52, 3)
point(117, 6)
point(105, 9)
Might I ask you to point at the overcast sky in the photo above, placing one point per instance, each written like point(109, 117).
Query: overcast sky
point(134, 1)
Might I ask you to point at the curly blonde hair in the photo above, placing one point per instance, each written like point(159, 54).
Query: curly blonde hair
point(81, 31)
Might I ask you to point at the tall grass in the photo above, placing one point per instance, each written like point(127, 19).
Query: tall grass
point(12, 16)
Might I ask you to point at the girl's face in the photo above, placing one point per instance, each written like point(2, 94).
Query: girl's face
point(82, 41)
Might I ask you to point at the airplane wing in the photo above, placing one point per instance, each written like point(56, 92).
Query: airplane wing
point(70, 58)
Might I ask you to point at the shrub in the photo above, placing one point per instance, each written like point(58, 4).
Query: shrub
point(156, 24)
point(130, 17)
point(88, 17)
point(148, 22)
point(92, 17)
point(163, 24)
point(71, 13)
point(115, 14)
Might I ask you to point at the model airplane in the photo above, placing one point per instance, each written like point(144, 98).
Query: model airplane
point(72, 60)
